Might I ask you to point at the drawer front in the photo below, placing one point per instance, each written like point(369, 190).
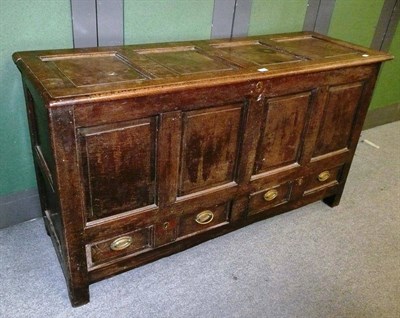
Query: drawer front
point(270, 197)
point(203, 219)
point(321, 180)
point(127, 244)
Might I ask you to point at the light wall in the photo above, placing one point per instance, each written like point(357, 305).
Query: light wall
point(149, 21)
point(355, 21)
point(277, 16)
point(24, 25)
point(387, 91)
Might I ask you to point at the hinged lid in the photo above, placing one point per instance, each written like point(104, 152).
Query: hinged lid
point(99, 73)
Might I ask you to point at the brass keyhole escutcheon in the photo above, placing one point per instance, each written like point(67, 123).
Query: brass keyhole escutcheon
point(323, 176)
point(204, 217)
point(166, 225)
point(121, 243)
point(270, 195)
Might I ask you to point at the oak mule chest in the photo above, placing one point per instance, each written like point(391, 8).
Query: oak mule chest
point(142, 151)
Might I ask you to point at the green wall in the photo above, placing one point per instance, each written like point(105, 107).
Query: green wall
point(149, 21)
point(24, 25)
point(355, 21)
point(277, 16)
point(387, 91)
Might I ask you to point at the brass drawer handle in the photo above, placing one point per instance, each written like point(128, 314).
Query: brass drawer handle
point(121, 243)
point(270, 195)
point(323, 176)
point(204, 217)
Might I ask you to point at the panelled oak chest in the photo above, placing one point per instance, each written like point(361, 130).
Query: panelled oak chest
point(142, 151)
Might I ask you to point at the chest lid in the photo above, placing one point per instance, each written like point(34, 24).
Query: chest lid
point(98, 73)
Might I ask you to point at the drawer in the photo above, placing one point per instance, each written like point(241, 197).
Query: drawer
point(203, 219)
point(321, 180)
point(126, 244)
point(270, 197)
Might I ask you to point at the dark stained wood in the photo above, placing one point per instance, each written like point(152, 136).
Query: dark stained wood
point(169, 142)
point(108, 68)
point(69, 191)
point(188, 225)
point(338, 117)
point(283, 130)
point(313, 184)
point(166, 231)
point(179, 245)
point(258, 203)
point(210, 146)
point(118, 163)
point(164, 146)
point(252, 126)
point(36, 111)
point(315, 51)
point(100, 252)
point(365, 99)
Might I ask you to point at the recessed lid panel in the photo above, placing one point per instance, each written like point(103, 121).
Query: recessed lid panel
point(255, 52)
point(313, 47)
point(94, 69)
point(185, 60)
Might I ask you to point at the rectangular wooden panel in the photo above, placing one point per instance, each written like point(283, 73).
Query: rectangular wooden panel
point(94, 69)
point(210, 147)
point(118, 163)
point(254, 52)
point(338, 117)
point(185, 60)
point(282, 131)
point(313, 47)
